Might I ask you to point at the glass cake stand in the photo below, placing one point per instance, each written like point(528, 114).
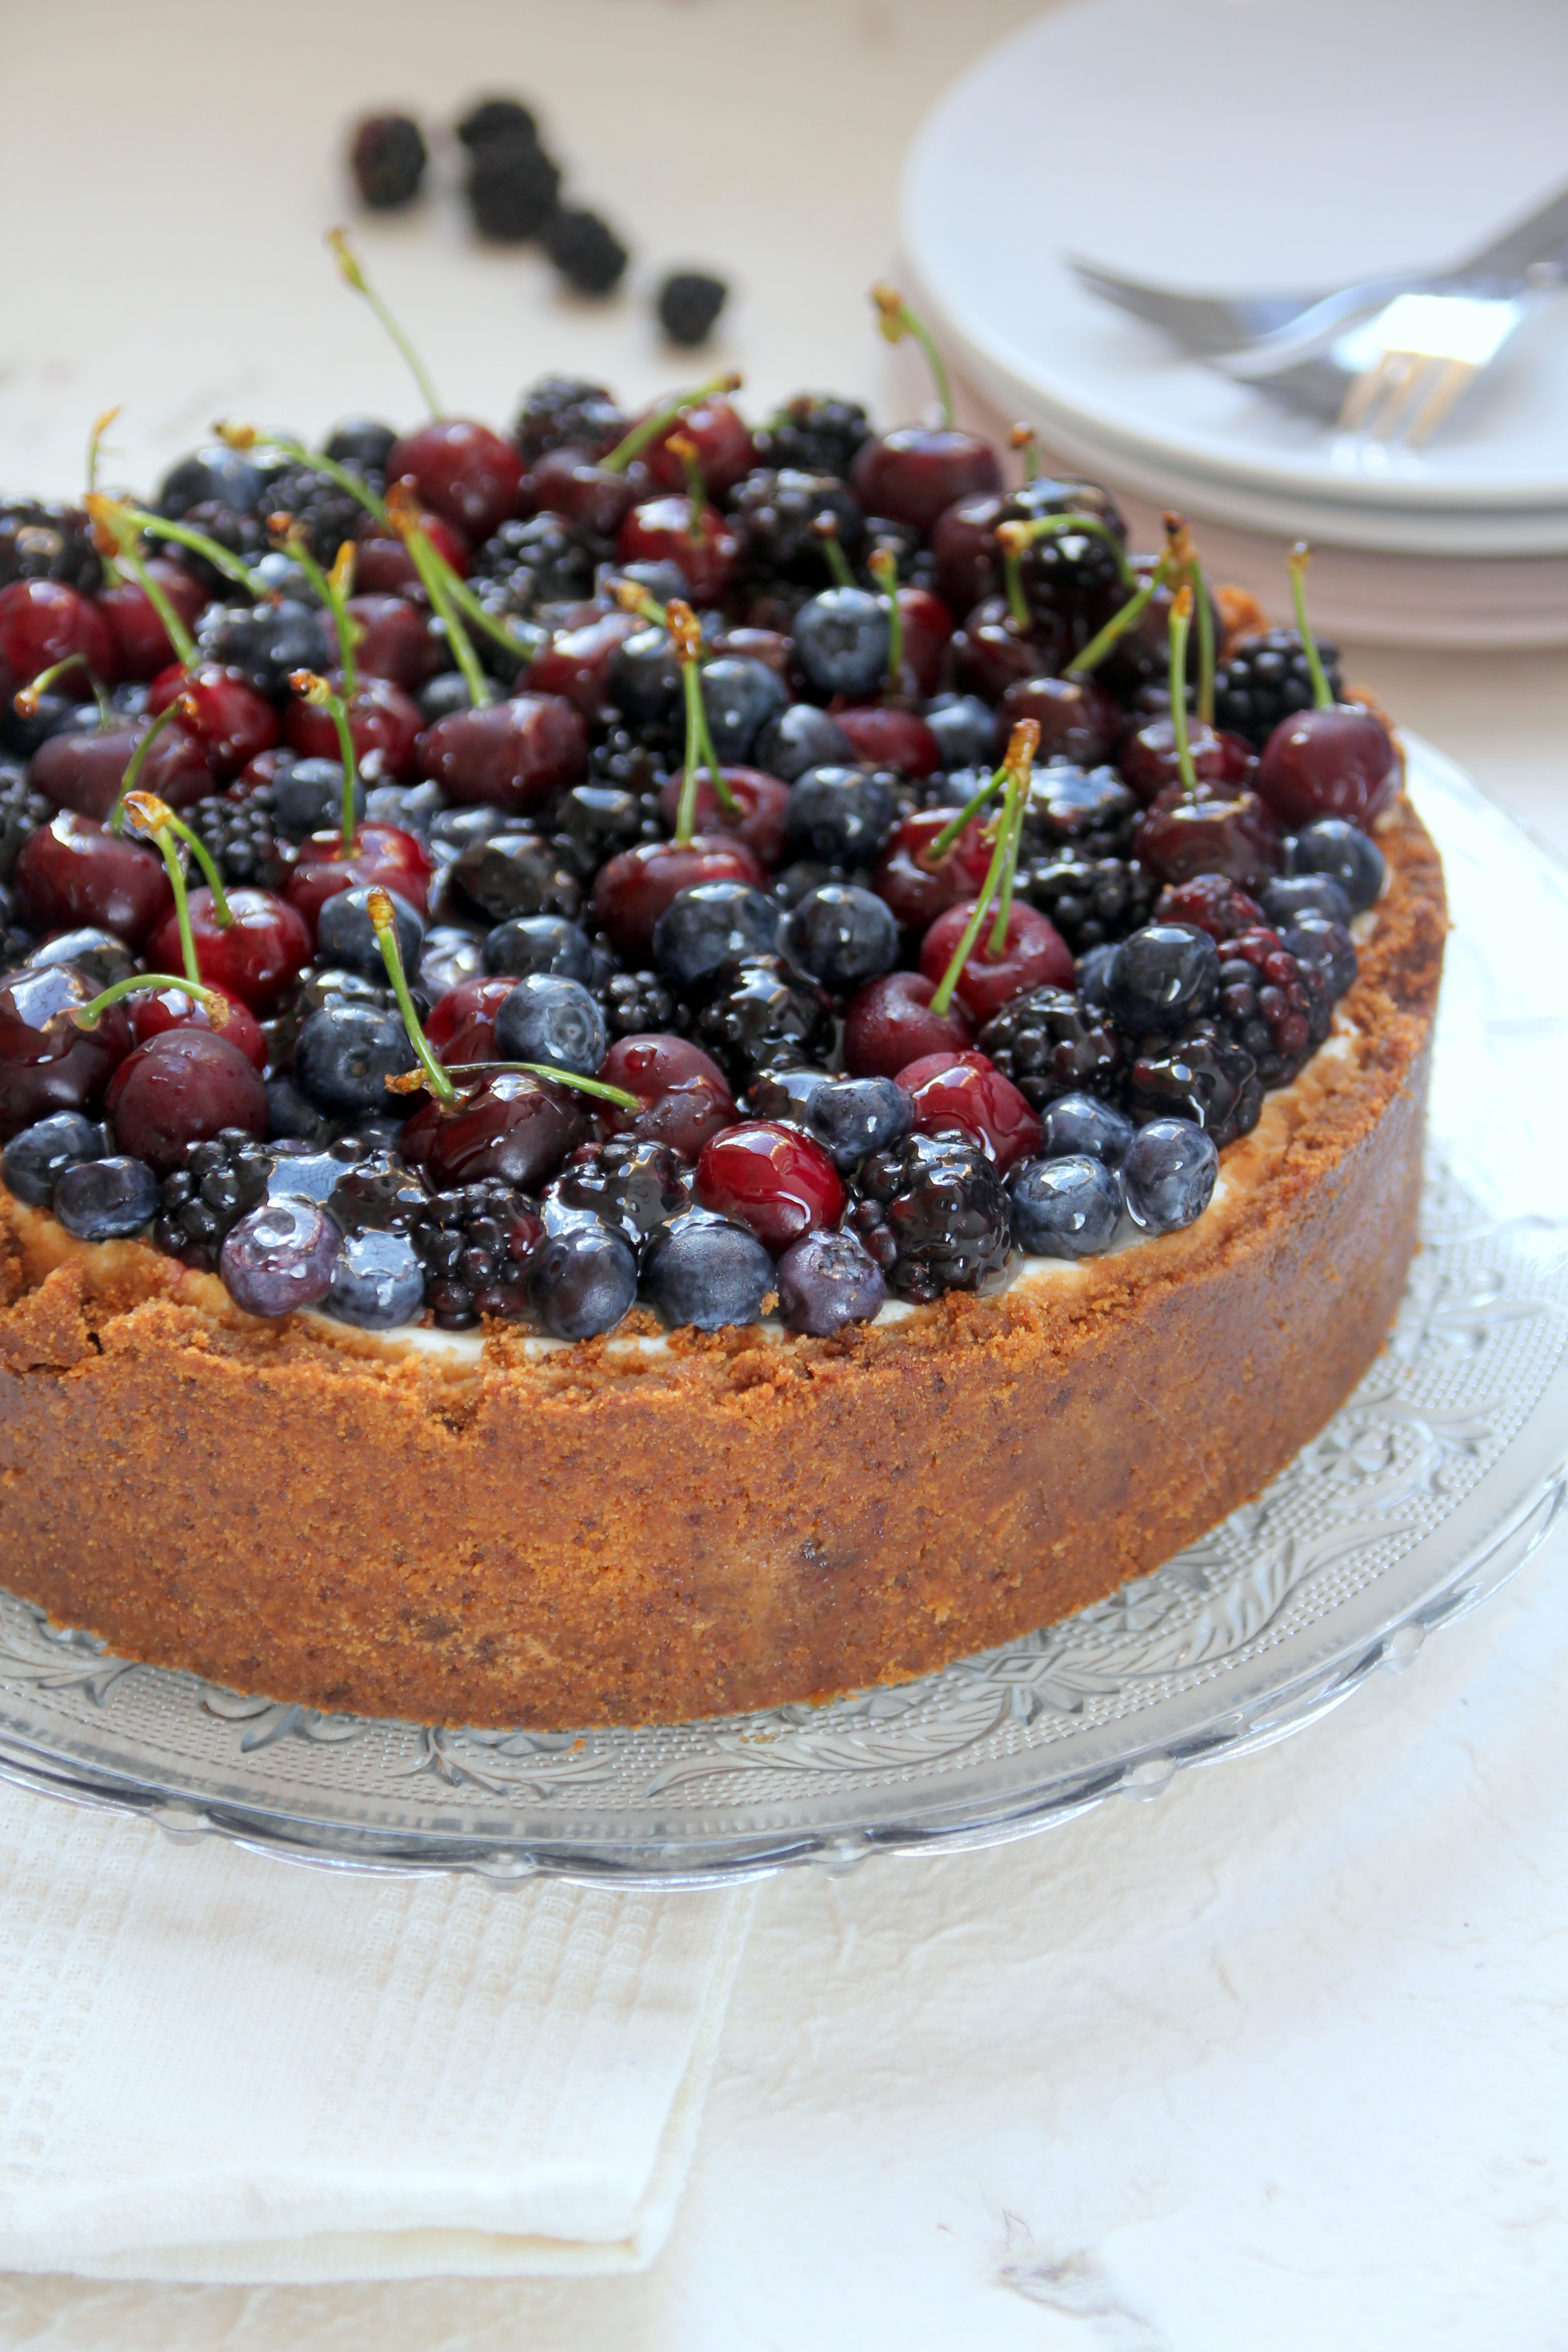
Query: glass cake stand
point(1435, 1482)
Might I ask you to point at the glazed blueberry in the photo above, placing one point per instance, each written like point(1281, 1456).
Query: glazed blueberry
point(309, 1171)
point(1162, 977)
point(1094, 971)
point(584, 1280)
point(709, 925)
point(1081, 1125)
point(643, 676)
point(1346, 855)
point(1169, 1174)
point(280, 1257)
point(1290, 898)
point(740, 697)
point(35, 1161)
point(308, 796)
point(802, 736)
point(361, 441)
point(841, 641)
point(376, 1191)
point(1314, 939)
point(965, 728)
point(346, 941)
point(345, 1053)
point(704, 1271)
point(1065, 1208)
point(841, 816)
point(841, 935)
point(826, 1280)
point(548, 1019)
point(531, 943)
point(377, 1282)
point(106, 1200)
point(850, 1117)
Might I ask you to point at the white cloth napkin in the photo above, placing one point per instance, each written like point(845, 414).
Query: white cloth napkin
point(214, 2066)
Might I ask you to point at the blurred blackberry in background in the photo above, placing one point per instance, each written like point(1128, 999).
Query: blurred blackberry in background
point(689, 305)
point(527, 564)
point(774, 511)
point(497, 118)
point(239, 838)
point(387, 158)
point(42, 542)
point(513, 186)
point(1267, 679)
point(814, 433)
point(241, 534)
point(585, 250)
point(326, 512)
point(565, 412)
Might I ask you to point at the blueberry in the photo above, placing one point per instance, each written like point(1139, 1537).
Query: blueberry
point(308, 796)
point(415, 807)
point(451, 956)
point(842, 815)
point(1306, 894)
point(826, 1280)
point(306, 1169)
point(1162, 977)
point(547, 1019)
point(290, 1118)
point(540, 943)
point(1347, 856)
point(1065, 1208)
point(377, 1281)
point(644, 677)
point(1168, 1176)
point(105, 1200)
point(346, 939)
point(793, 883)
point(583, 1280)
point(98, 955)
point(842, 936)
point(710, 925)
point(218, 475)
point(345, 1053)
point(854, 1115)
point(444, 695)
point(1094, 977)
point(841, 641)
point(35, 1161)
point(1079, 1124)
point(740, 697)
point(802, 736)
point(1313, 939)
point(280, 1257)
point(361, 441)
point(706, 1272)
point(965, 728)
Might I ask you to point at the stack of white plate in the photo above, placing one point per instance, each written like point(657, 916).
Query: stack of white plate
point(1239, 146)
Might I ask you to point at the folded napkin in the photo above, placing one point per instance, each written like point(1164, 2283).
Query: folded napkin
point(214, 2066)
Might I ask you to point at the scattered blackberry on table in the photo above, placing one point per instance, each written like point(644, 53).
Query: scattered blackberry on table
point(814, 433)
point(475, 1244)
point(689, 304)
point(497, 118)
point(1265, 678)
point(387, 158)
point(218, 1184)
point(638, 1003)
point(42, 542)
point(242, 839)
point(513, 187)
point(585, 250)
point(1051, 1043)
point(1201, 1075)
point(566, 411)
point(933, 1215)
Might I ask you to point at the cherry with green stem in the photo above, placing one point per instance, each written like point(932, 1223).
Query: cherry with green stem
point(114, 518)
point(686, 638)
point(998, 883)
point(320, 696)
point(334, 588)
point(219, 1008)
point(164, 829)
point(181, 708)
point(25, 701)
point(353, 275)
point(1181, 626)
point(883, 566)
point(825, 527)
point(895, 319)
point(403, 513)
point(1322, 692)
point(935, 851)
point(659, 421)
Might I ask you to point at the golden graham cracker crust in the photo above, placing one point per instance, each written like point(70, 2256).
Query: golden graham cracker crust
point(618, 1532)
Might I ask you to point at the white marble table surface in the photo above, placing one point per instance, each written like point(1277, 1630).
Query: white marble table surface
point(1280, 2059)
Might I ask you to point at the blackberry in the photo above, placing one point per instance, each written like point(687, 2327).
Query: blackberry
point(773, 511)
point(39, 541)
point(1200, 1075)
point(585, 250)
point(497, 118)
point(476, 1243)
point(630, 1184)
point(639, 756)
point(22, 811)
point(1269, 1005)
point(1049, 1043)
point(387, 158)
point(512, 188)
point(595, 822)
point(217, 1183)
point(638, 1003)
point(240, 837)
point(815, 434)
point(1069, 573)
point(1090, 808)
point(326, 512)
point(764, 1016)
point(903, 541)
point(933, 1215)
point(265, 641)
point(241, 534)
point(1089, 900)
point(565, 412)
point(1265, 678)
point(689, 305)
point(527, 564)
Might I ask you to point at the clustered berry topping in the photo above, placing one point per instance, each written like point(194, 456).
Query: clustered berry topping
point(645, 859)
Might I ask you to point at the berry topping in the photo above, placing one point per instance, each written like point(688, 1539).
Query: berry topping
point(633, 1186)
point(1345, 855)
point(1067, 1207)
point(1162, 977)
point(890, 1022)
point(1079, 1125)
point(548, 1019)
point(106, 1200)
point(967, 1095)
point(35, 1161)
point(933, 1215)
point(583, 1280)
point(1200, 1075)
point(280, 1257)
point(1169, 1175)
point(1031, 953)
point(773, 1179)
point(704, 1271)
point(709, 925)
point(827, 1280)
point(841, 935)
point(476, 1243)
point(215, 1184)
point(378, 1281)
point(841, 816)
point(1268, 678)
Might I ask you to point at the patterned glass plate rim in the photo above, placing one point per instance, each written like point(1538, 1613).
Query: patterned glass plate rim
point(1435, 1482)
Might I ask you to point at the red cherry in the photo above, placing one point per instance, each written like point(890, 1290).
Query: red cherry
point(254, 957)
point(43, 622)
point(381, 853)
point(670, 529)
point(634, 888)
point(183, 1087)
point(1076, 719)
point(1036, 954)
point(891, 739)
point(928, 631)
point(918, 895)
point(47, 1062)
point(649, 1064)
point(914, 472)
point(890, 1022)
point(773, 1179)
point(1339, 761)
point(723, 440)
point(156, 1010)
point(397, 643)
point(583, 494)
point(140, 641)
point(1222, 831)
point(770, 646)
point(1211, 903)
point(685, 1095)
point(468, 474)
point(384, 567)
point(384, 724)
point(1148, 760)
point(577, 661)
point(990, 653)
point(256, 773)
point(968, 559)
point(516, 1126)
point(511, 756)
point(968, 1093)
point(85, 771)
point(461, 1026)
point(761, 805)
point(228, 719)
point(72, 871)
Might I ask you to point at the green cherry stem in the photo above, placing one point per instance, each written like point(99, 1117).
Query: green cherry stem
point(436, 578)
point(935, 851)
point(896, 319)
point(384, 923)
point(351, 273)
point(686, 638)
point(115, 519)
point(1126, 617)
point(329, 587)
point(1322, 693)
point(101, 426)
point(320, 696)
point(24, 701)
point(1003, 861)
point(1181, 625)
point(600, 1086)
point(884, 571)
point(661, 419)
point(1011, 544)
point(633, 597)
point(1023, 535)
point(1023, 439)
point(184, 535)
point(682, 445)
point(178, 708)
point(825, 527)
point(155, 817)
point(87, 1016)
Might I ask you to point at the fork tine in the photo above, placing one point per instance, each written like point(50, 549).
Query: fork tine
point(1409, 372)
point(1456, 377)
point(1363, 393)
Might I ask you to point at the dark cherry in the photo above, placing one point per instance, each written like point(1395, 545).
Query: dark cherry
point(1339, 761)
point(255, 957)
point(916, 471)
point(43, 622)
point(517, 1128)
point(140, 641)
point(633, 889)
point(230, 721)
point(1076, 719)
point(381, 853)
point(85, 771)
point(775, 1180)
point(761, 806)
point(890, 1022)
point(967, 1093)
point(511, 756)
point(1211, 903)
point(73, 871)
point(564, 482)
point(183, 1087)
point(466, 472)
point(928, 626)
point(575, 664)
point(991, 653)
point(891, 739)
point(1148, 760)
point(964, 543)
point(1230, 833)
point(698, 540)
point(721, 439)
point(397, 641)
point(384, 566)
point(770, 646)
point(385, 725)
point(47, 1062)
point(685, 1095)
point(156, 1010)
point(918, 893)
point(1035, 956)
point(462, 1025)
